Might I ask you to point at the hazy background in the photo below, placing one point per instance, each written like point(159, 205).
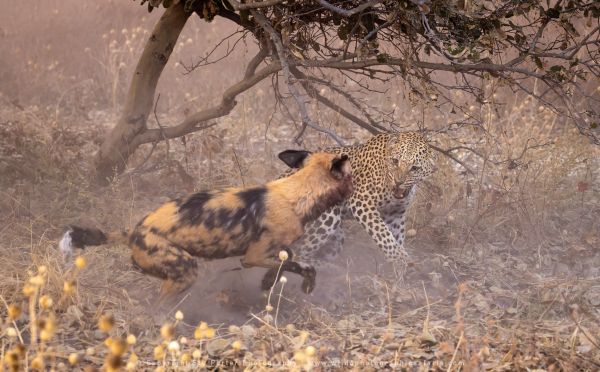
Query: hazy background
point(521, 231)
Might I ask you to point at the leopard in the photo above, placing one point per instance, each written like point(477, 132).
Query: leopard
point(387, 170)
point(230, 222)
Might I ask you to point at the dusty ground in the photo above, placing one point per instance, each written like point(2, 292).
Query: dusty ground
point(506, 261)
point(504, 281)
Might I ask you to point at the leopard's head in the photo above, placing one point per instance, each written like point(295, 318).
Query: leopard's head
point(411, 159)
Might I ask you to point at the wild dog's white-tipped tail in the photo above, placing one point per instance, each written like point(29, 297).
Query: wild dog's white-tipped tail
point(66, 243)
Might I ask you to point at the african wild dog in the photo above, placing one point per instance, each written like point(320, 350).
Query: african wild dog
point(256, 223)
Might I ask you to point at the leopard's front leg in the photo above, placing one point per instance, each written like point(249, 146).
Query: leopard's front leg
point(393, 212)
point(323, 239)
point(369, 217)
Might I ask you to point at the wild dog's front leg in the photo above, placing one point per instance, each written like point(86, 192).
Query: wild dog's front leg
point(308, 273)
point(371, 220)
point(263, 254)
point(311, 249)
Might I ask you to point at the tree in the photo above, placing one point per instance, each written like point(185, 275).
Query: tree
point(548, 49)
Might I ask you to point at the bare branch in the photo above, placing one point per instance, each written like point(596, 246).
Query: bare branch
point(454, 158)
point(358, 105)
point(254, 5)
point(315, 94)
point(200, 120)
point(205, 61)
point(354, 65)
point(348, 12)
point(255, 62)
point(306, 120)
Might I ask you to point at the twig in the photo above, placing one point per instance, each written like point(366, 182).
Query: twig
point(237, 162)
point(13, 322)
point(270, 326)
point(279, 301)
point(254, 5)
point(204, 61)
point(200, 120)
point(348, 12)
point(275, 38)
point(455, 352)
point(313, 92)
point(162, 131)
point(447, 153)
point(179, 303)
point(146, 158)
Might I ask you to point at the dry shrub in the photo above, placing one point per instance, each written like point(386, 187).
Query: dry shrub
point(505, 258)
point(516, 238)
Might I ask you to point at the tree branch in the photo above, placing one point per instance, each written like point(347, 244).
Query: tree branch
point(198, 121)
point(448, 154)
point(306, 120)
point(254, 5)
point(256, 61)
point(348, 12)
point(315, 94)
point(350, 99)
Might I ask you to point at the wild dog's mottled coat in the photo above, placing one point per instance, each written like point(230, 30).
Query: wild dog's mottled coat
point(254, 222)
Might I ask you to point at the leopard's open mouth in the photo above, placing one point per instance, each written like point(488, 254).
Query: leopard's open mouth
point(401, 191)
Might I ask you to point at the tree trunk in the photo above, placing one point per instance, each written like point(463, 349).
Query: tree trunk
point(119, 143)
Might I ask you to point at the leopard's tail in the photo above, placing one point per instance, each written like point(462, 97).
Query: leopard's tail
point(80, 237)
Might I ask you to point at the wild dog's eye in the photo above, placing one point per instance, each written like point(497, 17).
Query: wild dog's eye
point(415, 168)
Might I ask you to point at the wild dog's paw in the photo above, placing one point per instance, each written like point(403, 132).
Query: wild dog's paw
point(309, 282)
point(269, 279)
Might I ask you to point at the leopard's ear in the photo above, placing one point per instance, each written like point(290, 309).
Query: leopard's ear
point(340, 167)
point(294, 158)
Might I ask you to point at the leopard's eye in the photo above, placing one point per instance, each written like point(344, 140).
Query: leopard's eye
point(415, 168)
point(395, 161)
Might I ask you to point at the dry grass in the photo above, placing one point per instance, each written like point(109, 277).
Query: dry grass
point(506, 261)
point(505, 273)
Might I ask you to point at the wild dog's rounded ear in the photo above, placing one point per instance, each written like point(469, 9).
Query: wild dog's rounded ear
point(340, 166)
point(293, 158)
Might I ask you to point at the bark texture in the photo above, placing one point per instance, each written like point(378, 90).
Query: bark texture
point(121, 142)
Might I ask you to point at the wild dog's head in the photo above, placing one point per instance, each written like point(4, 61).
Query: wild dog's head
point(327, 177)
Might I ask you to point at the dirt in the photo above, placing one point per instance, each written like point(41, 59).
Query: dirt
point(226, 293)
point(505, 263)
point(478, 270)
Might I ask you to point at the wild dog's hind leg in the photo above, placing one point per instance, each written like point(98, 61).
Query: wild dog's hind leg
point(158, 257)
point(263, 254)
